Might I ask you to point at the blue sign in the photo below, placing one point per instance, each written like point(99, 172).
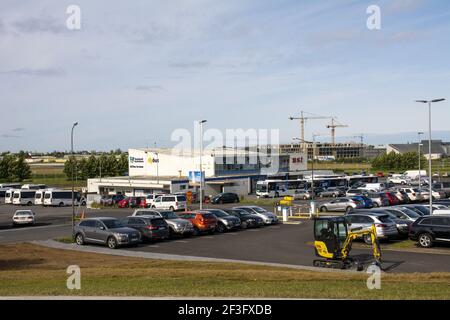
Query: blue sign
point(196, 176)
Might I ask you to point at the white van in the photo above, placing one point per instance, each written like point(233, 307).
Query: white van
point(170, 202)
point(62, 198)
point(9, 194)
point(24, 197)
point(39, 197)
point(414, 174)
point(34, 186)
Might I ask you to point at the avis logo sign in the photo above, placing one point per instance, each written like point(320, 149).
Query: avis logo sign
point(74, 280)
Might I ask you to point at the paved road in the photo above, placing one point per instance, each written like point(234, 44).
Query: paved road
point(287, 244)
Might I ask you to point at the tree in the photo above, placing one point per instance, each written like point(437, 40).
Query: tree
point(70, 165)
point(21, 169)
point(398, 162)
point(122, 167)
point(6, 165)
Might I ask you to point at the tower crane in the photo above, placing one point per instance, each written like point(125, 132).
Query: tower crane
point(303, 119)
point(334, 124)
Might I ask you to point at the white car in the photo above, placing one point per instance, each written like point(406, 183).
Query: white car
point(400, 180)
point(413, 194)
point(24, 217)
point(170, 202)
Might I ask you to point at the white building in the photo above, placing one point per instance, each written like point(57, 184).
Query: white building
point(225, 170)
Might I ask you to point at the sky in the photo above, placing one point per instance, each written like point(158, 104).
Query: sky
point(136, 71)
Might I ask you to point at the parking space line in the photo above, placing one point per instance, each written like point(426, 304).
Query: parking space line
point(180, 241)
point(208, 237)
point(254, 230)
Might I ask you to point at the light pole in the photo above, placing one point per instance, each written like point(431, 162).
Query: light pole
point(420, 173)
point(430, 174)
point(73, 186)
point(201, 122)
point(157, 167)
point(312, 168)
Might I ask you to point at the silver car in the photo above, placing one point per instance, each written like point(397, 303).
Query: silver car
point(176, 224)
point(109, 231)
point(268, 217)
point(225, 221)
point(386, 228)
point(341, 204)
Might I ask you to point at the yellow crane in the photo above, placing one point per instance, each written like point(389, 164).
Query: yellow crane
point(333, 240)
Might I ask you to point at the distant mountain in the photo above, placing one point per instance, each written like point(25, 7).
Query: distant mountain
point(402, 137)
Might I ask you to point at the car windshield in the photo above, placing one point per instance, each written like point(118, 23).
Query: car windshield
point(208, 215)
point(219, 213)
point(385, 219)
point(410, 213)
point(112, 223)
point(187, 215)
point(258, 209)
point(169, 215)
point(23, 213)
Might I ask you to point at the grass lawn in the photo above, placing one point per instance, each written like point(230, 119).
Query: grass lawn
point(53, 176)
point(27, 269)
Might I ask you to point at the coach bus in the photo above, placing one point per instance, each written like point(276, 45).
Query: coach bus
point(279, 188)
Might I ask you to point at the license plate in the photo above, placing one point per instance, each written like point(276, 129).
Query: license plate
point(162, 228)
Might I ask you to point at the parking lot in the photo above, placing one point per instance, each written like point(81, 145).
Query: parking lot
point(283, 243)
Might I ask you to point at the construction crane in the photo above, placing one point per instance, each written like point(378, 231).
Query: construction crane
point(334, 124)
point(303, 119)
point(361, 138)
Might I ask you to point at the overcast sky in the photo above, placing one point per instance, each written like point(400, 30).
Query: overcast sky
point(137, 70)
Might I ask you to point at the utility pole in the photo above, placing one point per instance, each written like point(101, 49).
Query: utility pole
point(201, 122)
point(73, 186)
point(420, 144)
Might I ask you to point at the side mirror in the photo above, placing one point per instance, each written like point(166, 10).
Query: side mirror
point(102, 228)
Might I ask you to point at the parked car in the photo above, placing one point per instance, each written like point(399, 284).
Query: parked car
point(403, 212)
point(386, 228)
point(151, 227)
point(400, 180)
point(268, 217)
point(380, 174)
point(353, 192)
point(176, 224)
point(392, 198)
point(149, 200)
point(428, 230)
point(248, 220)
point(379, 199)
point(332, 192)
point(413, 194)
point(420, 209)
point(367, 202)
point(341, 204)
point(302, 195)
point(22, 217)
point(111, 200)
point(225, 221)
point(124, 203)
point(202, 221)
point(170, 202)
point(402, 222)
point(109, 231)
point(226, 197)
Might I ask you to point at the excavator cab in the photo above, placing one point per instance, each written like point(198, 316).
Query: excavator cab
point(329, 236)
point(333, 242)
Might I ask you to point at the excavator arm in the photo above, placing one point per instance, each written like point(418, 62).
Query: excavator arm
point(354, 234)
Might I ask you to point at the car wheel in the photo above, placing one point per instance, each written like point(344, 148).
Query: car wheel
point(348, 209)
point(334, 195)
point(212, 231)
point(171, 208)
point(367, 239)
point(323, 209)
point(220, 228)
point(61, 204)
point(236, 200)
point(425, 240)
point(79, 239)
point(376, 205)
point(244, 225)
point(29, 203)
point(196, 232)
point(112, 242)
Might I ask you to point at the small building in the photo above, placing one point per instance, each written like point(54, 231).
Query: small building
point(439, 149)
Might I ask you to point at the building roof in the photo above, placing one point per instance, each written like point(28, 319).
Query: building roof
point(437, 147)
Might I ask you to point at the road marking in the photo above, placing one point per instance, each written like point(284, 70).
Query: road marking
point(180, 241)
point(153, 246)
point(253, 230)
point(34, 228)
point(231, 234)
point(207, 237)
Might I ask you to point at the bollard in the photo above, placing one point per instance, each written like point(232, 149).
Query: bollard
point(285, 214)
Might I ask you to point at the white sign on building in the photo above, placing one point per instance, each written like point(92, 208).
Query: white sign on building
point(298, 162)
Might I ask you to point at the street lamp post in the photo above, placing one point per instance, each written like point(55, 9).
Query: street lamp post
point(420, 172)
point(73, 186)
point(430, 174)
point(201, 122)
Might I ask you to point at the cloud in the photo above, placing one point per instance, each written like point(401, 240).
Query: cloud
point(45, 72)
point(149, 88)
point(9, 136)
point(399, 6)
point(39, 25)
point(18, 129)
point(190, 65)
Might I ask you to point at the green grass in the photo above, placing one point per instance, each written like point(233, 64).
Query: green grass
point(105, 275)
point(268, 202)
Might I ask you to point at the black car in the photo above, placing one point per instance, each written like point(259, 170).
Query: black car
point(248, 220)
point(150, 227)
point(430, 229)
point(225, 198)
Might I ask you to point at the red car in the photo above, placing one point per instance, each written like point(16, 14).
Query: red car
point(392, 198)
point(202, 221)
point(130, 202)
point(124, 203)
point(380, 174)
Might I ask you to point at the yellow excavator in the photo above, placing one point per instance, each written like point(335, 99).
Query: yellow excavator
point(333, 238)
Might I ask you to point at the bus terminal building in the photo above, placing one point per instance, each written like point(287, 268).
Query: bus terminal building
point(225, 170)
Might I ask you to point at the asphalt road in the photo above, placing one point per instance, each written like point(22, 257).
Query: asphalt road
point(288, 244)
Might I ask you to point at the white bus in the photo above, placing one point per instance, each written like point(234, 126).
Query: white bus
point(34, 186)
point(24, 197)
point(39, 197)
point(279, 188)
point(62, 198)
point(10, 186)
point(9, 194)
